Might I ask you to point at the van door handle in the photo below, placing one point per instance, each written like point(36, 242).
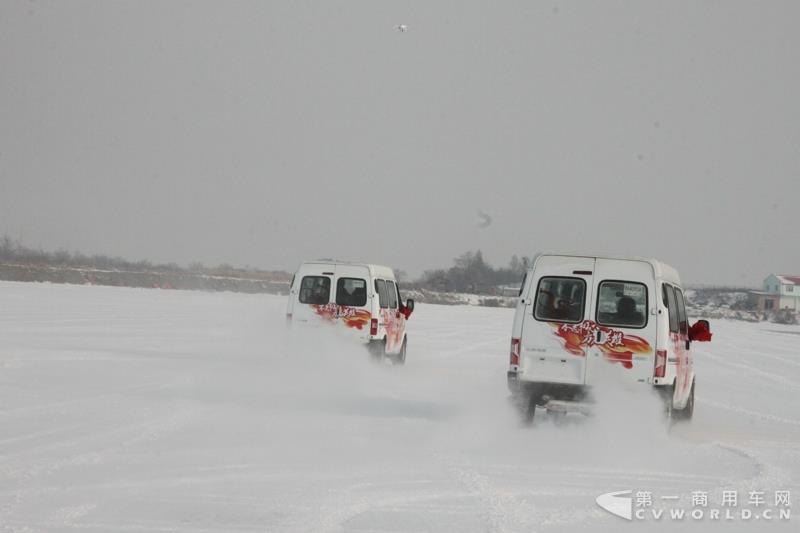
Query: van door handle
point(599, 333)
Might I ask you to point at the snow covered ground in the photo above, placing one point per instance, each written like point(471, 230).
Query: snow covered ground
point(146, 410)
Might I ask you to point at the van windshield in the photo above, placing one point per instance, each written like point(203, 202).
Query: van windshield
point(622, 303)
point(351, 292)
point(560, 299)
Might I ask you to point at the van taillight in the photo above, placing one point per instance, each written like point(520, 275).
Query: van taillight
point(661, 363)
point(373, 326)
point(514, 358)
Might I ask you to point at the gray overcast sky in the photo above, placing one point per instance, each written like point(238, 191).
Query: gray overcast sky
point(264, 133)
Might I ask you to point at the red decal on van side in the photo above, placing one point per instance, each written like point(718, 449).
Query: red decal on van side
point(682, 361)
point(616, 346)
point(351, 316)
point(395, 324)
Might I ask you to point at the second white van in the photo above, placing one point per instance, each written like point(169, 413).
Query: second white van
point(361, 299)
point(576, 313)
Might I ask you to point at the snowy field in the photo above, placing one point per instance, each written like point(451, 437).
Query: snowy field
point(128, 410)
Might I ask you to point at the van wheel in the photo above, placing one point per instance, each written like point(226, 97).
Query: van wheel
point(666, 394)
point(377, 351)
point(529, 409)
point(687, 412)
point(557, 417)
point(400, 358)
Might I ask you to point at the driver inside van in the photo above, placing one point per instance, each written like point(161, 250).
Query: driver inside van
point(320, 292)
point(561, 310)
point(566, 307)
point(352, 294)
point(569, 307)
point(358, 296)
point(627, 314)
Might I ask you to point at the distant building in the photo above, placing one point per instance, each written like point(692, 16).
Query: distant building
point(778, 292)
point(507, 290)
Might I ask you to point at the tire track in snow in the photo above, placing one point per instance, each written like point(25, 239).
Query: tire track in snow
point(148, 424)
point(501, 510)
point(136, 433)
point(767, 475)
point(91, 399)
point(142, 432)
point(342, 505)
point(769, 376)
point(748, 412)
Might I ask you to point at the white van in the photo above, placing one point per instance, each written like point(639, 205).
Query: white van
point(576, 313)
point(361, 298)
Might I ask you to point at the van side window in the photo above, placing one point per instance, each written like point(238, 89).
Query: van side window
point(622, 303)
point(383, 296)
point(673, 308)
point(351, 292)
point(392, 290)
point(315, 290)
point(683, 323)
point(560, 300)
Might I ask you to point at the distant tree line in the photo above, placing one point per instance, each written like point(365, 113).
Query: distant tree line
point(471, 273)
point(13, 251)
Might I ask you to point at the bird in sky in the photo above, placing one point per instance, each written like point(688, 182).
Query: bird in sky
point(485, 220)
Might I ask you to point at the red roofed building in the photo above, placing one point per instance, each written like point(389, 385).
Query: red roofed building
point(780, 291)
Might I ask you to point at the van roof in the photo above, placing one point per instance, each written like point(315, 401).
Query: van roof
point(375, 270)
point(661, 270)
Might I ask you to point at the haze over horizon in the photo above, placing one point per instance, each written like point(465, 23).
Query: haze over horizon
point(265, 134)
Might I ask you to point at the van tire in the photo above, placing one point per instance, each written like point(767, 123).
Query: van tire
point(687, 412)
point(529, 409)
point(666, 393)
point(377, 351)
point(400, 358)
point(557, 417)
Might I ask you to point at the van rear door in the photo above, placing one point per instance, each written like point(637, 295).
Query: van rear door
point(625, 331)
point(553, 339)
point(334, 294)
point(313, 289)
point(352, 299)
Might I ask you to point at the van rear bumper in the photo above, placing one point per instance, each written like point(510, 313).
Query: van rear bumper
point(564, 407)
point(546, 390)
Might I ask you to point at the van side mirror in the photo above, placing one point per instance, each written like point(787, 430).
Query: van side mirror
point(410, 304)
point(700, 331)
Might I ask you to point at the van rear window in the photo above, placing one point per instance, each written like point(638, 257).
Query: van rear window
point(315, 290)
point(560, 300)
point(351, 292)
point(622, 303)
